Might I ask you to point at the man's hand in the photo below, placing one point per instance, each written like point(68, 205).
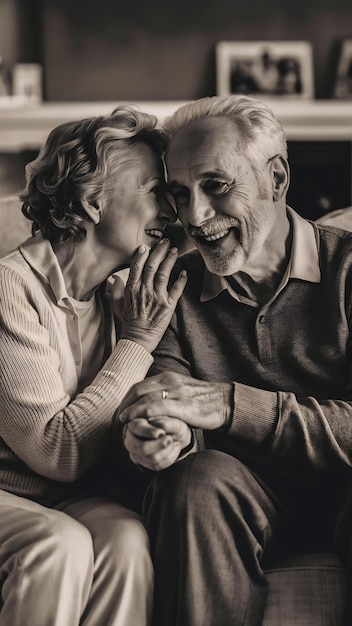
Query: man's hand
point(199, 404)
point(157, 444)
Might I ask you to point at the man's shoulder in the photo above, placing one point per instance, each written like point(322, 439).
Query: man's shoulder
point(334, 247)
point(333, 236)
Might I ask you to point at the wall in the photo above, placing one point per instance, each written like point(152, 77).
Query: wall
point(161, 50)
point(21, 31)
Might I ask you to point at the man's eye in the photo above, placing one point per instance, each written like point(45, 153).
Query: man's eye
point(215, 187)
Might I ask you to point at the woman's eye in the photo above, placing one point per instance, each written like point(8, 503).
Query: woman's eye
point(215, 187)
point(157, 190)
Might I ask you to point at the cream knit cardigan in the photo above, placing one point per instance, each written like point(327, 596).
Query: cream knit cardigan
point(49, 433)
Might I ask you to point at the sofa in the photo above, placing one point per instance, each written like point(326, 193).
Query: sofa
point(309, 589)
point(304, 590)
point(14, 227)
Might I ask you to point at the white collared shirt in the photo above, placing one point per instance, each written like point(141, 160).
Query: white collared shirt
point(303, 264)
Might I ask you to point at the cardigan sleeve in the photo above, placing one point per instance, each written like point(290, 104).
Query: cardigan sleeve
point(57, 435)
point(169, 356)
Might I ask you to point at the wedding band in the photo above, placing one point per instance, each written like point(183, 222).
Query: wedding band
point(164, 394)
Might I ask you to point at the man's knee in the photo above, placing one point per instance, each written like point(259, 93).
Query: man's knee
point(202, 487)
point(200, 472)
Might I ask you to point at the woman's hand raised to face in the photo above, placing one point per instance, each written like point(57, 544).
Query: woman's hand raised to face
point(148, 302)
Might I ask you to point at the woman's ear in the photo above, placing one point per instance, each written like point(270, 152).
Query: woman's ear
point(93, 212)
point(281, 177)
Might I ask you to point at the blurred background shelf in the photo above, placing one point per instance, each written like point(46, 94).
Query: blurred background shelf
point(26, 127)
point(319, 136)
point(95, 55)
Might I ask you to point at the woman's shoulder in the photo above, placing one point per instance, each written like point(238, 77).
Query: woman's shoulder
point(14, 262)
point(16, 276)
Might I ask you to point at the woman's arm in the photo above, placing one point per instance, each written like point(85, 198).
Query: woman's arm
point(57, 434)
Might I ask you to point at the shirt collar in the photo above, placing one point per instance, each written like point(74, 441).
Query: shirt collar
point(41, 257)
point(303, 263)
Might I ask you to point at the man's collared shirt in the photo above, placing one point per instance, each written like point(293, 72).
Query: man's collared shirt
point(289, 360)
point(303, 264)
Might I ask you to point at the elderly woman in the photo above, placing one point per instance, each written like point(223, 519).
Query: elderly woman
point(95, 197)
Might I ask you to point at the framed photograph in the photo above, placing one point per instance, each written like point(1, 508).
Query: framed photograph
point(27, 81)
point(343, 80)
point(265, 68)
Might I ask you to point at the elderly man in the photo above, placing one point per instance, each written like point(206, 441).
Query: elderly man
point(252, 380)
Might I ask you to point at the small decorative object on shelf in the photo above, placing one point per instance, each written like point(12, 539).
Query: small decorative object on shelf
point(265, 68)
point(343, 81)
point(27, 82)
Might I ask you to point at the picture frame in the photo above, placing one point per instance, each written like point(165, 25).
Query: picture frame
point(27, 82)
point(279, 69)
point(343, 78)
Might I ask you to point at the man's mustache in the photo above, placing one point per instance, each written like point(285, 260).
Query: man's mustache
point(212, 226)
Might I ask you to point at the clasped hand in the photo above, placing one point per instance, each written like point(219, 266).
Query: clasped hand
point(159, 411)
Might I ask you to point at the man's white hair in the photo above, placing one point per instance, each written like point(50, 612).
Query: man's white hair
point(262, 133)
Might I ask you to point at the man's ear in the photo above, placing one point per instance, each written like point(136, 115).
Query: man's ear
point(92, 211)
point(281, 177)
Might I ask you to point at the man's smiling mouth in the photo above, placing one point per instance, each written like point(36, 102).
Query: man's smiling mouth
point(215, 231)
point(231, 233)
point(214, 236)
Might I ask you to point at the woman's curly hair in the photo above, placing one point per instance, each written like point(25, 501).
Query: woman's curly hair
point(81, 160)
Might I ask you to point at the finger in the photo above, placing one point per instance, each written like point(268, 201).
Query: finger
point(170, 425)
point(153, 388)
point(117, 288)
point(137, 391)
point(149, 386)
point(160, 460)
point(177, 288)
point(117, 295)
point(154, 260)
point(137, 410)
point(146, 430)
point(163, 422)
point(162, 276)
point(137, 265)
point(149, 409)
point(146, 447)
point(127, 400)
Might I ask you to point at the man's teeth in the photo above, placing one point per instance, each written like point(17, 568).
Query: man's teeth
point(216, 236)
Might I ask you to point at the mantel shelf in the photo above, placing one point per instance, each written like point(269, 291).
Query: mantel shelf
point(26, 127)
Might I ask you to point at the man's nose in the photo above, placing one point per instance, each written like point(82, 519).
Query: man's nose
point(200, 209)
point(166, 212)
